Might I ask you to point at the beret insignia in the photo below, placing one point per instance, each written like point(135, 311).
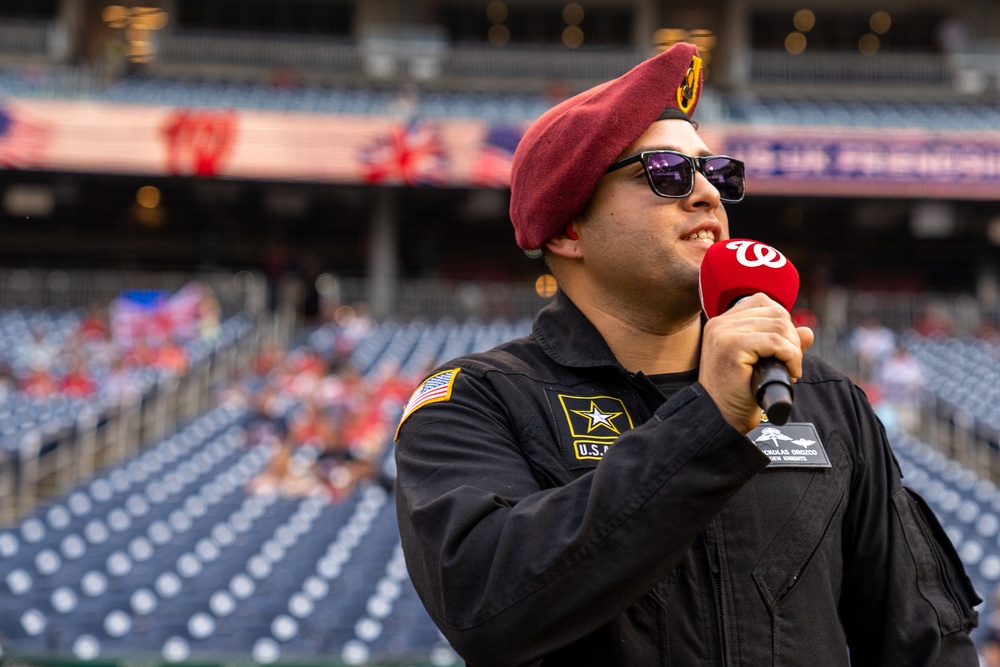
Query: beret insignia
point(687, 92)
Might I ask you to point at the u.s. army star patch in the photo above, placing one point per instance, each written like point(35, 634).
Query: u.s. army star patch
point(593, 423)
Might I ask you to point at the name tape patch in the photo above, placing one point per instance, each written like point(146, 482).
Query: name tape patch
point(794, 445)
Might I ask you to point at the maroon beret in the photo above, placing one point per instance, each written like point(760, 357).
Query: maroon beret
point(563, 155)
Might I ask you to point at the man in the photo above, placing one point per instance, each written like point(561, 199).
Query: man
point(589, 495)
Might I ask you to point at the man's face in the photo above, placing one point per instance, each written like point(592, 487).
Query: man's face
point(640, 245)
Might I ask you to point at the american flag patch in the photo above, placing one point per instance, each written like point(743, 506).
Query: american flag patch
point(434, 389)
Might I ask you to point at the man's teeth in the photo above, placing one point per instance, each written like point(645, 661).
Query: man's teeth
point(703, 235)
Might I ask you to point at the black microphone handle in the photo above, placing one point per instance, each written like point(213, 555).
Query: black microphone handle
point(772, 388)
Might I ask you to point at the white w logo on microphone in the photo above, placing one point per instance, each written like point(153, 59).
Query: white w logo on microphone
point(764, 255)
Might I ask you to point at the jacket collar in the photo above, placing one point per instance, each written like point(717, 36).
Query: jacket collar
point(566, 335)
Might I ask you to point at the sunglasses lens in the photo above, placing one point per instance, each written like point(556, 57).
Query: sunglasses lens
point(671, 174)
point(726, 174)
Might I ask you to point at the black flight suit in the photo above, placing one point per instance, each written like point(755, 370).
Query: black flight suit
point(555, 509)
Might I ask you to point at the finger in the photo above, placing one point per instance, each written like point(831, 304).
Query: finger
point(775, 336)
point(758, 300)
point(777, 343)
point(806, 337)
point(754, 300)
point(802, 338)
point(761, 314)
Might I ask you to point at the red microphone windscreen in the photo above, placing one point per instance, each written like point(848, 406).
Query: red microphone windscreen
point(741, 267)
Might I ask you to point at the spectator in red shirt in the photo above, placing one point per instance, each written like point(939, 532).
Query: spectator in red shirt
point(77, 382)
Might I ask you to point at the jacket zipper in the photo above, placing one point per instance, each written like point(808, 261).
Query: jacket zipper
point(791, 585)
point(718, 609)
point(716, 569)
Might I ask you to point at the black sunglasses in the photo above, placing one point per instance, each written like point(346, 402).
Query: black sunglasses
point(671, 174)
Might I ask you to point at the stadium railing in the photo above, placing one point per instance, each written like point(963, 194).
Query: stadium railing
point(207, 48)
point(364, 60)
point(433, 298)
point(524, 64)
point(25, 37)
point(924, 70)
point(838, 309)
point(243, 291)
point(200, 50)
point(961, 415)
point(54, 454)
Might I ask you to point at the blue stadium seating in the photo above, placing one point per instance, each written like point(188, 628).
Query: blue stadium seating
point(166, 554)
point(490, 106)
point(961, 375)
point(967, 505)
point(310, 98)
point(848, 112)
point(418, 345)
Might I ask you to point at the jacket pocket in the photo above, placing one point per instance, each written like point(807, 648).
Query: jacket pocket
point(783, 563)
point(941, 577)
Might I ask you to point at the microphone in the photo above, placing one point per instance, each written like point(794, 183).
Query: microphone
point(733, 270)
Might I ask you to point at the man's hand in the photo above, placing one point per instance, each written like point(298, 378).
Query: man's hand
point(732, 342)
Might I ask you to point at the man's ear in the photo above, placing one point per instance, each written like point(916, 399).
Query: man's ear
point(565, 243)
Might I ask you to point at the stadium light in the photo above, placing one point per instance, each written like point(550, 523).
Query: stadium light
point(804, 20)
point(880, 22)
point(27, 200)
point(795, 43)
point(138, 25)
point(545, 286)
point(148, 196)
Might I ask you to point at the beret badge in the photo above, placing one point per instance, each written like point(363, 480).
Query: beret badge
point(687, 92)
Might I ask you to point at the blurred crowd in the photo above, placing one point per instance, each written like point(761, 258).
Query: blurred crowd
point(331, 426)
point(889, 373)
point(104, 352)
